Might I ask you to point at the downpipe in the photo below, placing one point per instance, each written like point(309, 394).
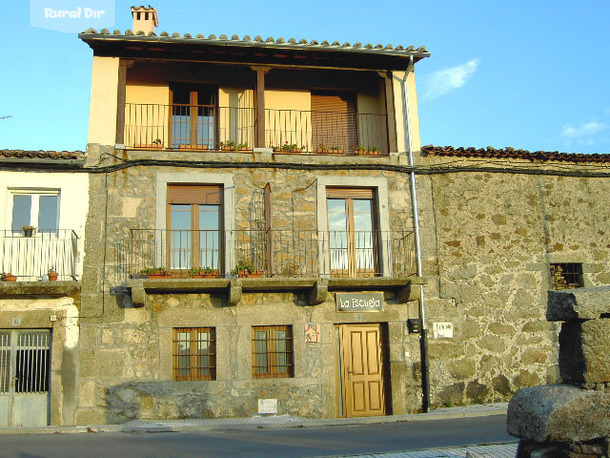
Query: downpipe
point(423, 339)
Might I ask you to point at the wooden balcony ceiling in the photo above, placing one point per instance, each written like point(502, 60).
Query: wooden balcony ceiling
point(251, 51)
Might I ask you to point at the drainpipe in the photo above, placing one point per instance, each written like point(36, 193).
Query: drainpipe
point(423, 340)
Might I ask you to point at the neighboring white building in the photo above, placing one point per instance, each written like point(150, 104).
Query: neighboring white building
point(53, 200)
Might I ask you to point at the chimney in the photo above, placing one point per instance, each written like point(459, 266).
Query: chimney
point(145, 19)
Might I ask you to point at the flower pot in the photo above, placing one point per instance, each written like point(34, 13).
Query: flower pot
point(213, 274)
point(158, 274)
point(10, 277)
point(28, 232)
point(254, 274)
point(52, 276)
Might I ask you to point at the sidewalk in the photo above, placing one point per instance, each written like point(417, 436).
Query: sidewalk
point(286, 421)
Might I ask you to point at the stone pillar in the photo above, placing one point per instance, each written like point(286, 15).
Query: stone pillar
point(571, 419)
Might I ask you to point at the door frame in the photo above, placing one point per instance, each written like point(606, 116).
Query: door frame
point(341, 385)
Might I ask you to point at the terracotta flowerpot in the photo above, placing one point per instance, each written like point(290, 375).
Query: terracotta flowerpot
point(10, 277)
point(52, 276)
point(246, 274)
point(158, 274)
point(213, 274)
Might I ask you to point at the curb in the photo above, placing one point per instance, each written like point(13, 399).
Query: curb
point(271, 422)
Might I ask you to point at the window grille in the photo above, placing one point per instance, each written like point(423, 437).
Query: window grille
point(272, 355)
point(566, 276)
point(194, 354)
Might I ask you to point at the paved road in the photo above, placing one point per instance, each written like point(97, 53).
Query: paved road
point(260, 441)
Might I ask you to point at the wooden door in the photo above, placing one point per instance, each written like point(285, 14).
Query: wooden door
point(361, 370)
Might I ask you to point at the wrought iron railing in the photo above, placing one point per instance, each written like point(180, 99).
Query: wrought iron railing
point(30, 257)
point(206, 127)
point(277, 253)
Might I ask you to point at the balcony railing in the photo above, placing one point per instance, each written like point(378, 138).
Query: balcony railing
point(278, 253)
point(205, 127)
point(30, 258)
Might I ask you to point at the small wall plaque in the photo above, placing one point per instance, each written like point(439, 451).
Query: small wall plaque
point(267, 406)
point(443, 330)
point(312, 333)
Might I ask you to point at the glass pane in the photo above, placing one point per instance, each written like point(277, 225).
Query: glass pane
point(209, 237)
point(337, 225)
point(204, 359)
point(363, 236)
point(205, 127)
point(183, 351)
point(181, 126)
point(261, 359)
point(280, 348)
point(22, 207)
point(48, 213)
point(180, 242)
point(363, 215)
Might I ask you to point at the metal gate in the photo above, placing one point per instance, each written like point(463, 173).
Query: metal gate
point(25, 357)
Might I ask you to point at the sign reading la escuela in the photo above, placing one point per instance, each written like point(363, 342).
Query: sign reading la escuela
point(359, 302)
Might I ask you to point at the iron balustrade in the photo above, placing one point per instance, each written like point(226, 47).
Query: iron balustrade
point(30, 257)
point(278, 253)
point(207, 127)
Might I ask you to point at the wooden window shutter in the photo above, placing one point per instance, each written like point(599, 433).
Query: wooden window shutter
point(333, 117)
point(350, 193)
point(194, 194)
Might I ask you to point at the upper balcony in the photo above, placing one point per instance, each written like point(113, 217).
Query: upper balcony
point(192, 93)
point(210, 128)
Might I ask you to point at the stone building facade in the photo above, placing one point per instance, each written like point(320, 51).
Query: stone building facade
point(207, 154)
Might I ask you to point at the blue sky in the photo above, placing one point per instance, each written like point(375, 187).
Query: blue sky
point(528, 74)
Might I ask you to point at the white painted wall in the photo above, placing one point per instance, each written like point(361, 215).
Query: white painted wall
point(73, 199)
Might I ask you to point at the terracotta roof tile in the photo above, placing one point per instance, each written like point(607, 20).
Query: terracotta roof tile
point(512, 153)
point(41, 154)
point(369, 48)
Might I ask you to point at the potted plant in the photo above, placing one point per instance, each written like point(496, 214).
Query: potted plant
point(227, 145)
point(373, 151)
point(290, 148)
point(246, 270)
point(4, 276)
point(155, 272)
point(203, 272)
point(28, 231)
point(358, 149)
point(243, 147)
point(322, 148)
point(52, 274)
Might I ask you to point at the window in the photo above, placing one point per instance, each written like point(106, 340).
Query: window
point(194, 354)
point(194, 226)
point(193, 114)
point(352, 232)
point(333, 118)
point(566, 275)
point(35, 208)
point(272, 351)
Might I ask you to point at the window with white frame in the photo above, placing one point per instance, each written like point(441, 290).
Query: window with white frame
point(38, 208)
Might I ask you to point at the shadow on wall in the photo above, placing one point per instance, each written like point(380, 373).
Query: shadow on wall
point(164, 400)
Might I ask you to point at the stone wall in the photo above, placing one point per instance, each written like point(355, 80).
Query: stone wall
point(125, 352)
point(488, 241)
